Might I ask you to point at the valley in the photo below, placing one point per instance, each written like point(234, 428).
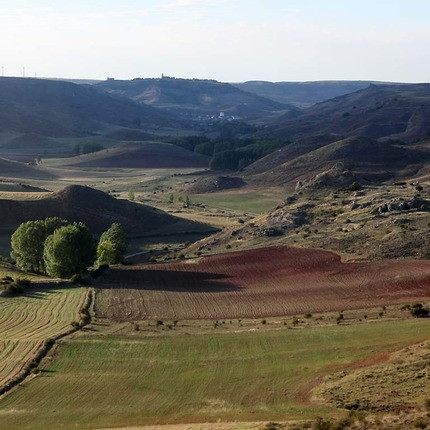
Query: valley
point(274, 261)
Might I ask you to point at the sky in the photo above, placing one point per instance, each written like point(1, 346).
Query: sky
point(227, 40)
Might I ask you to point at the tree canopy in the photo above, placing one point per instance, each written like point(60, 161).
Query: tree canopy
point(69, 250)
point(112, 245)
point(28, 242)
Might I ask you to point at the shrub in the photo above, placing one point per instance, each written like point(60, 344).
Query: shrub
point(419, 423)
point(75, 325)
point(99, 271)
point(419, 311)
point(340, 318)
point(322, 424)
point(23, 283)
point(355, 186)
point(78, 279)
point(12, 290)
point(31, 365)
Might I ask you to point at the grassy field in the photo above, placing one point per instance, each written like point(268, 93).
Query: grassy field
point(26, 321)
point(255, 202)
point(107, 380)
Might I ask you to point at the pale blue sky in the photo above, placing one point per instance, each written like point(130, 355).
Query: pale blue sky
point(228, 40)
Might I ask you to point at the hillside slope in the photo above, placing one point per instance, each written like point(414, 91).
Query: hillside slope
point(372, 159)
point(140, 155)
point(16, 170)
point(390, 111)
point(193, 97)
point(97, 210)
point(63, 109)
point(302, 94)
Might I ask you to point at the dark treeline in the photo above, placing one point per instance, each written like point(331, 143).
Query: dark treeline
point(228, 151)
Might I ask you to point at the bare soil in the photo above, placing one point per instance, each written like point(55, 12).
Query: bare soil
point(275, 281)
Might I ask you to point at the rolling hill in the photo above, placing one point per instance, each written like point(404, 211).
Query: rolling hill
point(367, 157)
point(17, 170)
point(63, 109)
point(302, 94)
point(380, 111)
point(139, 155)
point(193, 97)
point(97, 210)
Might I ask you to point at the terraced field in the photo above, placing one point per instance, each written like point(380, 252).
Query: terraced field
point(274, 281)
point(101, 380)
point(27, 321)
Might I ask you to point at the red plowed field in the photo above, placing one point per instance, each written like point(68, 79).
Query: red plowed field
point(272, 281)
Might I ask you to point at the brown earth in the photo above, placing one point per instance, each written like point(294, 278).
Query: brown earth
point(273, 281)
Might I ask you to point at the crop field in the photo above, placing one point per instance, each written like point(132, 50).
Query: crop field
point(264, 282)
point(26, 321)
point(255, 202)
point(102, 380)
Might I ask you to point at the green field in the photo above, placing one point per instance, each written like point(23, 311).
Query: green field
point(110, 380)
point(255, 202)
point(27, 321)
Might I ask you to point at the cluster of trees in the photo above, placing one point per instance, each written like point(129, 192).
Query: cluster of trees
point(231, 153)
point(61, 249)
point(87, 147)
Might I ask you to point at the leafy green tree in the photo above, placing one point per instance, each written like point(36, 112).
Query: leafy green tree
point(131, 195)
point(69, 250)
point(28, 242)
point(106, 253)
point(112, 245)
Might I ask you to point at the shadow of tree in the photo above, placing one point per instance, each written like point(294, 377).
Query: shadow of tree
point(168, 280)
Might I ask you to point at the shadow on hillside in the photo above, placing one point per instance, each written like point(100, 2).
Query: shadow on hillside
point(39, 290)
point(168, 280)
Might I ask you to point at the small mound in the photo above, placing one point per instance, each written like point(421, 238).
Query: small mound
point(97, 210)
point(334, 178)
point(216, 183)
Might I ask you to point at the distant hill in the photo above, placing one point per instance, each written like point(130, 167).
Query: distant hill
point(366, 157)
point(63, 109)
point(97, 210)
point(140, 155)
point(193, 97)
point(290, 152)
point(302, 94)
point(380, 111)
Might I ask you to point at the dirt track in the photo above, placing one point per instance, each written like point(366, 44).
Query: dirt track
point(274, 281)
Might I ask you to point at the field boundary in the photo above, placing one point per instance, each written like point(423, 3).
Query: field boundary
point(47, 345)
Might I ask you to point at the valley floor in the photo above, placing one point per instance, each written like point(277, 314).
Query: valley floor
point(120, 375)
